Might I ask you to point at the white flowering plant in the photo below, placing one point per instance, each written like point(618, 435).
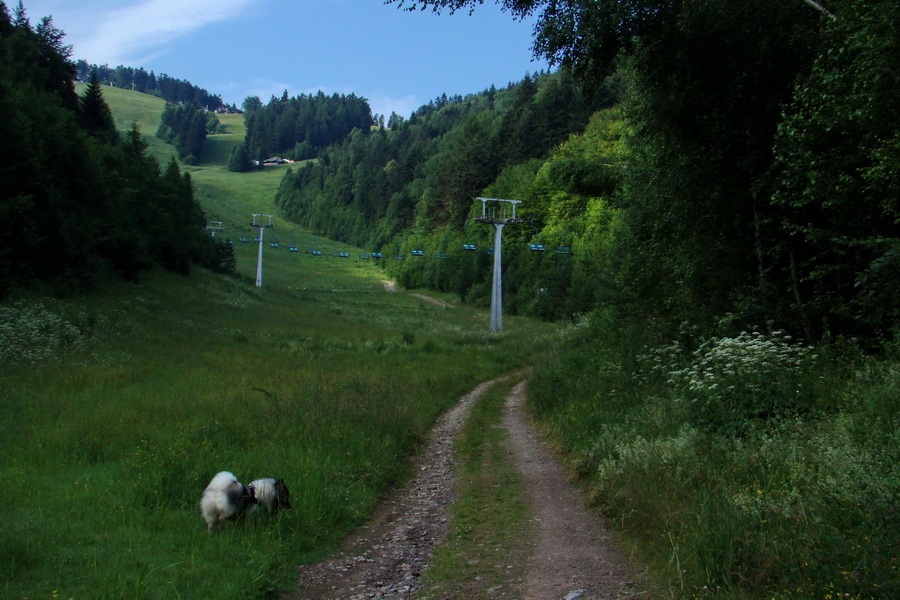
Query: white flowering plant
point(730, 382)
point(30, 333)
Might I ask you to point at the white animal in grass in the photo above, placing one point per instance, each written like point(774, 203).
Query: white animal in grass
point(271, 494)
point(225, 499)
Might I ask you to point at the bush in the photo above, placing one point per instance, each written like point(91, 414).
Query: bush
point(731, 383)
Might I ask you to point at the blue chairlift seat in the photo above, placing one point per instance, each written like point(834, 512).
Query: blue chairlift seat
point(563, 250)
point(294, 249)
point(470, 247)
point(399, 257)
point(242, 240)
point(440, 255)
point(418, 253)
point(490, 251)
point(363, 256)
point(315, 252)
point(256, 240)
point(377, 255)
point(536, 247)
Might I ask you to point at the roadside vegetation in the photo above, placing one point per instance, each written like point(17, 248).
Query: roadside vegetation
point(742, 466)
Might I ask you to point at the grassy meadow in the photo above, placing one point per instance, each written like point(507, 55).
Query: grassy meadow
point(118, 407)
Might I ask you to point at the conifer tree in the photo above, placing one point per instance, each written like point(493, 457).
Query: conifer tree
point(95, 114)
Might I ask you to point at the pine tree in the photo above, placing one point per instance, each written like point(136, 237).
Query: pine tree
point(95, 114)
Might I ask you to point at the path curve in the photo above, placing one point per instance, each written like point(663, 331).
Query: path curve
point(391, 286)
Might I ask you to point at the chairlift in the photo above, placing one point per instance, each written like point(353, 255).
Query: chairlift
point(377, 255)
point(536, 247)
point(417, 251)
point(441, 254)
point(364, 256)
point(562, 249)
point(243, 240)
point(469, 247)
point(293, 247)
point(314, 251)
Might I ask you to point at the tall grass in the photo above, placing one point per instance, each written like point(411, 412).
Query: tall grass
point(117, 409)
point(739, 466)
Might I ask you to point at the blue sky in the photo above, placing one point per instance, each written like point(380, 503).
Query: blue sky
point(396, 59)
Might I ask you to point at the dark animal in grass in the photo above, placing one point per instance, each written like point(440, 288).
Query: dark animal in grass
point(271, 494)
point(225, 499)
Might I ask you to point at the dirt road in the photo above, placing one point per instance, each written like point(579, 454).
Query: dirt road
point(575, 557)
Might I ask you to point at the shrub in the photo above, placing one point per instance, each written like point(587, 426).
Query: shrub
point(731, 383)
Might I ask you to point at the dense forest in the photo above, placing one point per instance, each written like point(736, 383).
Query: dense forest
point(414, 182)
point(78, 202)
point(299, 127)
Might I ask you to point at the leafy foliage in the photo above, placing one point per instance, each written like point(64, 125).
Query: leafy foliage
point(838, 158)
point(414, 183)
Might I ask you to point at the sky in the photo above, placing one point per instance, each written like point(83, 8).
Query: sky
point(397, 60)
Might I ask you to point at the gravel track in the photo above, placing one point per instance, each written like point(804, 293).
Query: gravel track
point(575, 557)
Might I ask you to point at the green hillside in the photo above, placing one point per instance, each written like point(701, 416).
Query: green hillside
point(225, 196)
point(133, 108)
point(119, 406)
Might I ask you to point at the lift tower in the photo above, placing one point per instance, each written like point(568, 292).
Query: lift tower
point(259, 222)
point(506, 216)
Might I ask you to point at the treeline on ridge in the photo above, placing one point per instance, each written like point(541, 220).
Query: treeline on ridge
point(78, 201)
point(299, 127)
point(170, 89)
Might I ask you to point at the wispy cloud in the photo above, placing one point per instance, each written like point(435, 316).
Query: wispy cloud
point(132, 34)
point(384, 105)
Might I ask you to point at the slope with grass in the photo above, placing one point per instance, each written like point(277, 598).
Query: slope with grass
point(117, 408)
